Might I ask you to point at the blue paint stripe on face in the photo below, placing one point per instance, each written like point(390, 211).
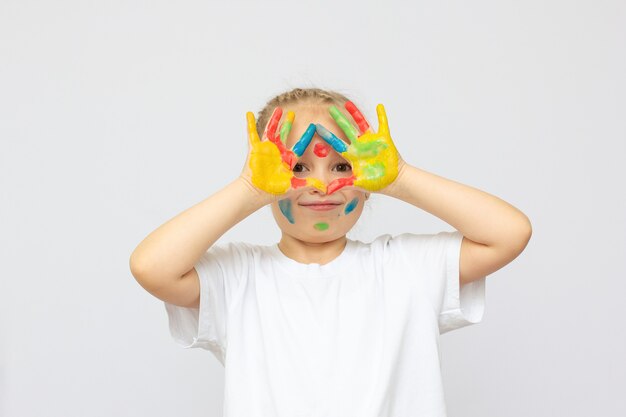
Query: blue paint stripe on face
point(285, 208)
point(351, 205)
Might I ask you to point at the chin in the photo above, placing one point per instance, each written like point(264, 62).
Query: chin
point(319, 237)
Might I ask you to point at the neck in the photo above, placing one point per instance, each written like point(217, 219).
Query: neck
point(311, 252)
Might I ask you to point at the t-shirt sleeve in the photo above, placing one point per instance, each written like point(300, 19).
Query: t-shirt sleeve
point(221, 271)
point(460, 305)
point(434, 260)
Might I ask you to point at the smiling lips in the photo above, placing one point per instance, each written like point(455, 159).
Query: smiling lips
point(321, 205)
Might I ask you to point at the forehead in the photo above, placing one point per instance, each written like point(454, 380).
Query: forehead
point(313, 113)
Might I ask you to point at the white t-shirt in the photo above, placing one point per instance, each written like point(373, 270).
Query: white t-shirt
point(356, 337)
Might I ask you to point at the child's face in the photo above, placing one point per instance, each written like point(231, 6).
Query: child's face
point(294, 214)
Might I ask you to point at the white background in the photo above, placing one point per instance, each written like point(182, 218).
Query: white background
point(109, 114)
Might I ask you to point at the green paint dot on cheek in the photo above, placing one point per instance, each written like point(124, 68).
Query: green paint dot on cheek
point(321, 226)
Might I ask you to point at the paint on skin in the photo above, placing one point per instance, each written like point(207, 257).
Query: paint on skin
point(357, 116)
point(368, 149)
point(373, 155)
point(271, 162)
point(311, 182)
point(321, 149)
point(269, 172)
point(374, 171)
point(340, 183)
point(351, 205)
point(343, 122)
point(285, 208)
point(286, 127)
point(304, 141)
point(321, 226)
point(337, 144)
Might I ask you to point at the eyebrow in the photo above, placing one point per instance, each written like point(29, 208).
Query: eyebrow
point(333, 159)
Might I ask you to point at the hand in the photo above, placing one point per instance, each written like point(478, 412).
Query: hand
point(269, 165)
point(374, 158)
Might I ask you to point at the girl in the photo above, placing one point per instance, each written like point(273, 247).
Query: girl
point(317, 324)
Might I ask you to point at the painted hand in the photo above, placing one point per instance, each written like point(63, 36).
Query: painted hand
point(374, 158)
point(270, 162)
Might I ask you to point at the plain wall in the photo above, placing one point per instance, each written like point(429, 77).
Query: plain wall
point(110, 112)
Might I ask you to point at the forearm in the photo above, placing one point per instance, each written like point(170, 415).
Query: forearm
point(172, 250)
point(479, 216)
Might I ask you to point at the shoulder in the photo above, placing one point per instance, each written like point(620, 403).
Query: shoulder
point(231, 252)
point(412, 241)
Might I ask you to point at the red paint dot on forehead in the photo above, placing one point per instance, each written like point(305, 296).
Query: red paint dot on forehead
point(321, 149)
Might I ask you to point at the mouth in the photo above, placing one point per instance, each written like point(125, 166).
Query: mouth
point(321, 205)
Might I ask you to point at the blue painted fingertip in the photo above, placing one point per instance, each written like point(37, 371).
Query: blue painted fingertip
point(337, 144)
point(304, 141)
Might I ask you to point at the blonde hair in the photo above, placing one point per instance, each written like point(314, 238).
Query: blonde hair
point(312, 96)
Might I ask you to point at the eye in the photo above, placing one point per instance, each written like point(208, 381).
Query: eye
point(298, 168)
point(343, 167)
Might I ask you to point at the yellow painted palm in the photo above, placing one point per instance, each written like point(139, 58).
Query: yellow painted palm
point(373, 155)
point(270, 162)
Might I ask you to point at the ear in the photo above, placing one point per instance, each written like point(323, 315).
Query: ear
point(367, 196)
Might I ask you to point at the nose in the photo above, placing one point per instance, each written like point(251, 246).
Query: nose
point(321, 172)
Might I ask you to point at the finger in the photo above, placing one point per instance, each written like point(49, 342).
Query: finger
point(253, 135)
point(304, 141)
point(339, 183)
point(357, 116)
point(285, 154)
point(383, 124)
point(285, 128)
point(317, 184)
point(309, 182)
point(343, 122)
point(337, 144)
point(270, 129)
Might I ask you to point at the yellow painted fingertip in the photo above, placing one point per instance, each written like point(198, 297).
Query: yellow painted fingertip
point(383, 124)
point(253, 135)
point(316, 183)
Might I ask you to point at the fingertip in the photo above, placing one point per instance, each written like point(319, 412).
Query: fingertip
point(334, 111)
point(311, 129)
point(383, 124)
point(253, 135)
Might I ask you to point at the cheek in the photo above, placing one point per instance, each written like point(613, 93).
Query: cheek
point(286, 208)
point(351, 206)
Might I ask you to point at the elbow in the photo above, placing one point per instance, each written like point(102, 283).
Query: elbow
point(139, 268)
point(520, 235)
point(136, 268)
point(527, 229)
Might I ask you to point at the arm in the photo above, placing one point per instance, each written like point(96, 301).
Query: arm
point(164, 261)
point(163, 258)
point(494, 231)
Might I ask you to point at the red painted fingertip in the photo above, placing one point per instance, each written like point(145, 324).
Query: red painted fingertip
point(357, 116)
point(298, 182)
point(272, 125)
point(339, 183)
